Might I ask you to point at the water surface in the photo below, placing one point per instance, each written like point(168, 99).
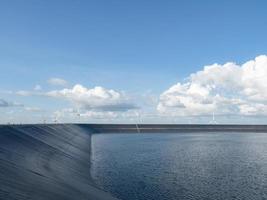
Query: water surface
point(181, 166)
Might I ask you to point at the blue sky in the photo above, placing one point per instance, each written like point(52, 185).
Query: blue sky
point(140, 48)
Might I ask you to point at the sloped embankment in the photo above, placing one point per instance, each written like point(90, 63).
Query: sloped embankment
point(46, 162)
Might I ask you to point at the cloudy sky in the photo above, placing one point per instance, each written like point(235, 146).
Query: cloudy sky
point(133, 61)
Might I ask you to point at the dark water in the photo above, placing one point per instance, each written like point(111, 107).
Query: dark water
point(181, 166)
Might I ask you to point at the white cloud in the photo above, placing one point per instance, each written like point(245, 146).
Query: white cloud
point(224, 89)
point(97, 98)
point(36, 91)
point(95, 116)
point(57, 82)
point(24, 93)
point(99, 115)
point(33, 109)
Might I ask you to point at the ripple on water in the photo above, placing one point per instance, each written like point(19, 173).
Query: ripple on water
point(181, 166)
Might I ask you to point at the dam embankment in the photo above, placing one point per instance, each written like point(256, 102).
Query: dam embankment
point(52, 161)
point(46, 162)
point(173, 128)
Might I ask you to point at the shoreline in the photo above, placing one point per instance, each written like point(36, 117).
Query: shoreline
point(173, 128)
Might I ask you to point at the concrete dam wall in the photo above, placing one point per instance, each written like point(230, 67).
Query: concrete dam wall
point(41, 162)
point(173, 128)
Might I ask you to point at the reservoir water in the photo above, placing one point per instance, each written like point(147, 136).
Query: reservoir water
point(181, 166)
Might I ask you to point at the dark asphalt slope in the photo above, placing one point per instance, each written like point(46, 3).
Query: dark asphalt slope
point(173, 128)
point(46, 162)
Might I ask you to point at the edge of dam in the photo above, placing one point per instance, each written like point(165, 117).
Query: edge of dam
point(47, 162)
point(173, 128)
point(52, 161)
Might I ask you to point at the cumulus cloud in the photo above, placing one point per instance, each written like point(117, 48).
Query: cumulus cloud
point(95, 116)
point(24, 93)
point(57, 82)
point(99, 115)
point(97, 98)
point(71, 114)
point(224, 89)
point(33, 109)
point(94, 99)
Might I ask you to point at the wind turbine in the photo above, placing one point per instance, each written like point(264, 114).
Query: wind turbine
point(213, 121)
point(138, 119)
point(79, 116)
point(56, 120)
point(44, 120)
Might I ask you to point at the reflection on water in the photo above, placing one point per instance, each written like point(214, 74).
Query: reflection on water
point(181, 166)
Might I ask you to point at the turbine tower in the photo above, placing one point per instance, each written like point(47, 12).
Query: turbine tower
point(79, 116)
point(213, 121)
point(138, 119)
point(56, 120)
